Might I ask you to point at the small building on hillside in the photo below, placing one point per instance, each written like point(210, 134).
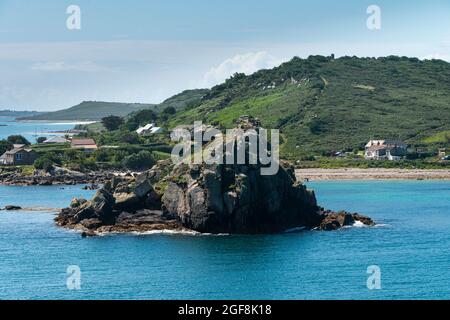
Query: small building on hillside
point(56, 139)
point(18, 156)
point(385, 150)
point(148, 130)
point(443, 152)
point(85, 144)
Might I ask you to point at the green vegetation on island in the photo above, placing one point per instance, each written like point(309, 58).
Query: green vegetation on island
point(18, 114)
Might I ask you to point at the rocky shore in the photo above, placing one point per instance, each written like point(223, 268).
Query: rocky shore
point(14, 176)
point(216, 198)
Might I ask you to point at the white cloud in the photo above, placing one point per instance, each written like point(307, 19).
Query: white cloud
point(439, 56)
point(244, 63)
point(61, 66)
point(34, 75)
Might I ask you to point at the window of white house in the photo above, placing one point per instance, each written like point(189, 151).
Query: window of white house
point(18, 156)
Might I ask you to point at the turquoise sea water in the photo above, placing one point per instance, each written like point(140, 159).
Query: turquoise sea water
point(32, 130)
point(411, 246)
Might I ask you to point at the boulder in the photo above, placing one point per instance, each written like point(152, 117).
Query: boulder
point(92, 223)
point(125, 201)
point(103, 204)
point(12, 208)
point(83, 212)
point(75, 203)
point(336, 220)
point(153, 201)
point(142, 186)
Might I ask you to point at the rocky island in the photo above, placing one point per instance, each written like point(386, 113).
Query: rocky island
point(214, 198)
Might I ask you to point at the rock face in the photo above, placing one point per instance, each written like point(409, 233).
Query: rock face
point(237, 199)
point(217, 198)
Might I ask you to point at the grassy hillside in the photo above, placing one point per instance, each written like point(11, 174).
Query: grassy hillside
point(322, 104)
point(182, 100)
point(91, 110)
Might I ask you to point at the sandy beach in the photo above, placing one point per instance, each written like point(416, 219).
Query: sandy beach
point(371, 174)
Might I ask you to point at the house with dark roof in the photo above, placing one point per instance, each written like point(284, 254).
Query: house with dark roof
point(18, 156)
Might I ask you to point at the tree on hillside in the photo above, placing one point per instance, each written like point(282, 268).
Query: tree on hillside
point(112, 123)
point(170, 110)
point(5, 146)
point(18, 139)
point(43, 163)
point(145, 116)
point(141, 161)
point(139, 118)
point(129, 137)
point(41, 139)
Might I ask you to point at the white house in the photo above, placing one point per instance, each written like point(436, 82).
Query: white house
point(385, 150)
point(149, 129)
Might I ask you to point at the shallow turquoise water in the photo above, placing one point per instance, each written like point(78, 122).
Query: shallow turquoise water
point(412, 248)
point(31, 130)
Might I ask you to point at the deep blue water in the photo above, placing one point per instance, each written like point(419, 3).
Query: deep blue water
point(412, 248)
point(32, 130)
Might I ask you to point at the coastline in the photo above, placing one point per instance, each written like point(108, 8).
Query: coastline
point(371, 174)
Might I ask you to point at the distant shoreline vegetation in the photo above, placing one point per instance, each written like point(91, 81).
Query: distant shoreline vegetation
point(17, 114)
point(74, 122)
point(88, 111)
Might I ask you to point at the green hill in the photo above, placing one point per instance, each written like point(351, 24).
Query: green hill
point(322, 104)
point(91, 110)
point(179, 102)
point(182, 100)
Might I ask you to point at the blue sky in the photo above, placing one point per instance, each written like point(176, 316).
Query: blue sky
point(145, 51)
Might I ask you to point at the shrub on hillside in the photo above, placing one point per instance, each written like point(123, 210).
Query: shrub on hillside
point(112, 123)
point(129, 137)
point(18, 139)
point(141, 161)
point(44, 163)
point(41, 139)
point(5, 146)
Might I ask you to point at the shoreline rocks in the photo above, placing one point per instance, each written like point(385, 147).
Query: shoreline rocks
point(14, 177)
point(12, 208)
